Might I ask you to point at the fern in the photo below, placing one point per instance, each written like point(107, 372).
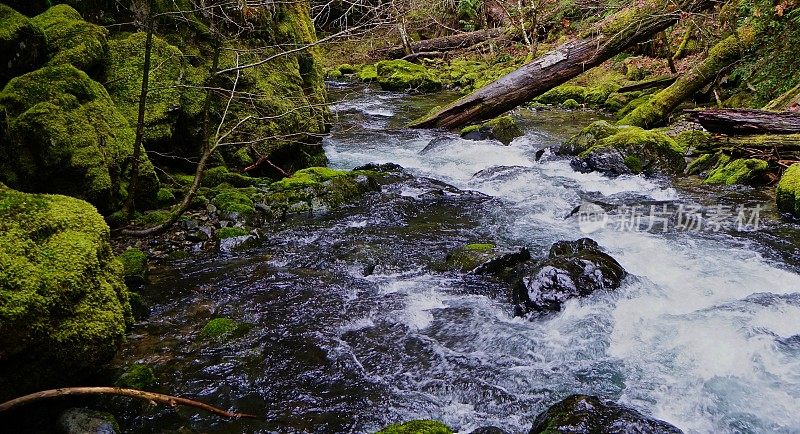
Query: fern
point(467, 10)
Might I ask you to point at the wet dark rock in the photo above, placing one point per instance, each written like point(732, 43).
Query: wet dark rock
point(441, 142)
point(572, 269)
point(489, 430)
point(233, 244)
point(584, 414)
point(503, 129)
point(87, 421)
point(486, 258)
point(203, 233)
point(632, 151)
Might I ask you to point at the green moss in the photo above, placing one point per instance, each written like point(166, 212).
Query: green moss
point(63, 305)
point(631, 106)
point(739, 171)
point(219, 328)
point(218, 175)
point(70, 39)
point(232, 200)
point(587, 138)
point(22, 45)
point(616, 101)
point(692, 140)
point(417, 427)
point(702, 163)
point(134, 265)
point(165, 197)
point(333, 73)
point(402, 75)
point(788, 191)
point(646, 150)
point(479, 247)
point(66, 136)
point(469, 129)
point(346, 69)
point(570, 104)
point(505, 129)
point(137, 376)
point(123, 76)
point(230, 232)
point(368, 73)
point(153, 218)
point(560, 94)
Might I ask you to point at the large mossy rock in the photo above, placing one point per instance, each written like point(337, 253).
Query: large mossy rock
point(788, 193)
point(584, 414)
point(71, 40)
point(503, 129)
point(633, 150)
point(737, 171)
point(417, 427)
point(486, 258)
point(402, 75)
point(572, 269)
point(66, 136)
point(123, 70)
point(23, 47)
point(587, 138)
point(63, 304)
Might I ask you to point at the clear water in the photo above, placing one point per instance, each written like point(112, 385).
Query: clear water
point(704, 335)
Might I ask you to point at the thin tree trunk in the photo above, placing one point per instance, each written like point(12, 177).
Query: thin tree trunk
point(620, 31)
point(133, 188)
point(445, 43)
point(724, 53)
point(131, 393)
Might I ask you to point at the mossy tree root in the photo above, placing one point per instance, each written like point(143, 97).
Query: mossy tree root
point(172, 401)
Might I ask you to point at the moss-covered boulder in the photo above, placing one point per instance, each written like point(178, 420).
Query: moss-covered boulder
point(221, 328)
point(633, 151)
point(572, 269)
point(558, 95)
point(63, 304)
point(485, 258)
point(402, 75)
point(71, 40)
point(23, 47)
point(66, 136)
point(316, 189)
point(417, 427)
point(137, 376)
point(503, 129)
point(134, 266)
point(368, 73)
point(123, 68)
point(738, 171)
point(788, 192)
point(587, 138)
point(584, 414)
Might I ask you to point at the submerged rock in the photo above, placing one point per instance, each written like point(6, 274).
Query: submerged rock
point(87, 421)
point(584, 414)
point(63, 304)
point(417, 427)
point(633, 150)
point(788, 192)
point(503, 129)
point(573, 269)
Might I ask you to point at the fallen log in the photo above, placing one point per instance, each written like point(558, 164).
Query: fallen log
point(627, 27)
point(788, 101)
point(746, 121)
point(648, 84)
point(159, 398)
point(445, 43)
point(779, 143)
point(655, 111)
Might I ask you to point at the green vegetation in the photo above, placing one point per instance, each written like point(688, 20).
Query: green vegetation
point(642, 151)
point(232, 200)
point(137, 376)
point(22, 45)
point(404, 76)
point(788, 193)
point(219, 328)
point(588, 137)
point(63, 305)
point(230, 232)
point(71, 40)
point(738, 171)
point(134, 265)
point(417, 427)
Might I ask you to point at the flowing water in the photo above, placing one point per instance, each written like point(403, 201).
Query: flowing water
point(350, 329)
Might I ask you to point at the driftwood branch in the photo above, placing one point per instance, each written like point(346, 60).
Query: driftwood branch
point(172, 401)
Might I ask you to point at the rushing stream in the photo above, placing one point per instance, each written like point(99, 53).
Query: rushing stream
point(350, 329)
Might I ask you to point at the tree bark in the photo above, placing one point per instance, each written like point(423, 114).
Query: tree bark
point(446, 43)
point(131, 393)
point(655, 112)
point(747, 121)
point(130, 203)
point(788, 101)
point(630, 26)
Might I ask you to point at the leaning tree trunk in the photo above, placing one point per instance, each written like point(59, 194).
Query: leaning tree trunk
point(655, 111)
point(627, 27)
point(445, 43)
point(747, 121)
point(788, 101)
